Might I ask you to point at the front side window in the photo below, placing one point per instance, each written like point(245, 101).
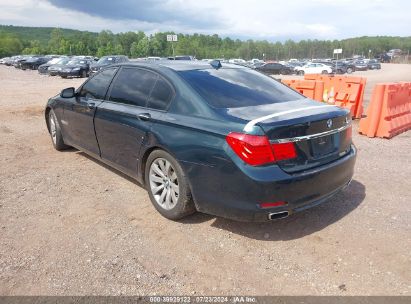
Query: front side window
point(133, 86)
point(96, 87)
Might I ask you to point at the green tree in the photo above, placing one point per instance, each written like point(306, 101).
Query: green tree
point(10, 45)
point(140, 49)
point(56, 38)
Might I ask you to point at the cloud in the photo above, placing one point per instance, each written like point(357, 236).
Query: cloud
point(171, 12)
point(244, 19)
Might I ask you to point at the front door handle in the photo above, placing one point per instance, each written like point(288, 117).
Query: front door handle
point(91, 105)
point(144, 116)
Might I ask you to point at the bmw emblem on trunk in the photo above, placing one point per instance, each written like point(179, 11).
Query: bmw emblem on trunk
point(329, 123)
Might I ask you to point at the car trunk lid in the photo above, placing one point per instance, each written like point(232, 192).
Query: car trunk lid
point(320, 133)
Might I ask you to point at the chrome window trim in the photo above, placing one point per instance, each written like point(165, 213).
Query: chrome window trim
point(307, 137)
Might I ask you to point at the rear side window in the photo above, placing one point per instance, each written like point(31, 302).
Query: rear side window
point(97, 86)
point(161, 95)
point(133, 86)
point(232, 88)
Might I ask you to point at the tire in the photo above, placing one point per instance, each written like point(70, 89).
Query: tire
point(83, 74)
point(55, 133)
point(301, 73)
point(64, 77)
point(167, 186)
point(349, 70)
point(324, 72)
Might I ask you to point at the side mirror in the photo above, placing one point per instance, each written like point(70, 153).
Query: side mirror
point(68, 93)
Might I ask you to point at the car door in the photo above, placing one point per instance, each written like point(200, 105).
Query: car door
point(272, 68)
point(320, 67)
point(123, 121)
point(79, 111)
point(310, 69)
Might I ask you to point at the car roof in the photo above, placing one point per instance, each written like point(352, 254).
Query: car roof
point(179, 65)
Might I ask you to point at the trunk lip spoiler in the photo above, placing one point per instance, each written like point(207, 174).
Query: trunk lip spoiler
point(311, 136)
point(249, 126)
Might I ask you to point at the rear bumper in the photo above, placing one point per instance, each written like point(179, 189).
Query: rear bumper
point(232, 192)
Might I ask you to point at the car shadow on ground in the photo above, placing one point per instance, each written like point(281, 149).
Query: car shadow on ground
point(296, 226)
point(300, 224)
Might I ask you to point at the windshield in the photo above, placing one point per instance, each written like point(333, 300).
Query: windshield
point(54, 61)
point(106, 60)
point(63, 61)
point(76, 61)
point(232, 88)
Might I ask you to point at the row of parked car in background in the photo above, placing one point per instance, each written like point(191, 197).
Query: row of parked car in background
point(63, 66)
point(312, 66)
point(84, 66)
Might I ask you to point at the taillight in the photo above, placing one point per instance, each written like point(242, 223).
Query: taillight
point(256, 150)
point(271, 205)
point(283, 151)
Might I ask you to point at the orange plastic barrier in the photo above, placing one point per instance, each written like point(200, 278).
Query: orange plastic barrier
point(309, 88)
point(344, 91)
point(389, 112)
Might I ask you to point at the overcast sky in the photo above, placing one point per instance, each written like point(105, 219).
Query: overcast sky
point(257, 19)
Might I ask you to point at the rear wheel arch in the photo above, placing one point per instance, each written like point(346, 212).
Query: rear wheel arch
point(145, 156)
point(144, 161)
point(185, 205)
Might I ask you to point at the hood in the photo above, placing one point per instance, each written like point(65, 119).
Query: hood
point(55, 66)
point(72, 66)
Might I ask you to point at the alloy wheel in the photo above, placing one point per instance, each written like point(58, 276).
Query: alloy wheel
point(53, 129)
point(164, 183)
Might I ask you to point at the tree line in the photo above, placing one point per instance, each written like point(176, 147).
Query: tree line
point(139, 44)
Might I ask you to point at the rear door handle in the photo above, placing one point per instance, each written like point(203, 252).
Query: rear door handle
point(144, 116)
point(91, 105)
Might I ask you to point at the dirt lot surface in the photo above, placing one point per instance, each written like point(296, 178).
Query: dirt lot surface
point(71, 226)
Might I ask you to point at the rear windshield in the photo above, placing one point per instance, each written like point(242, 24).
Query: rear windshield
point(233, 88)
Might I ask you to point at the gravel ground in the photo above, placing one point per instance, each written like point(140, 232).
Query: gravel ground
point(72, 226)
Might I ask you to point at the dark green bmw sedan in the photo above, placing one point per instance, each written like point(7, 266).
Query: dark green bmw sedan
point(219, 139)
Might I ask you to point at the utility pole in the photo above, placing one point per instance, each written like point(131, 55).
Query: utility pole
point(172, 38)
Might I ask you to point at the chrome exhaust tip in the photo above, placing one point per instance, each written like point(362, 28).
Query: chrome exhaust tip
point(278, 215)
